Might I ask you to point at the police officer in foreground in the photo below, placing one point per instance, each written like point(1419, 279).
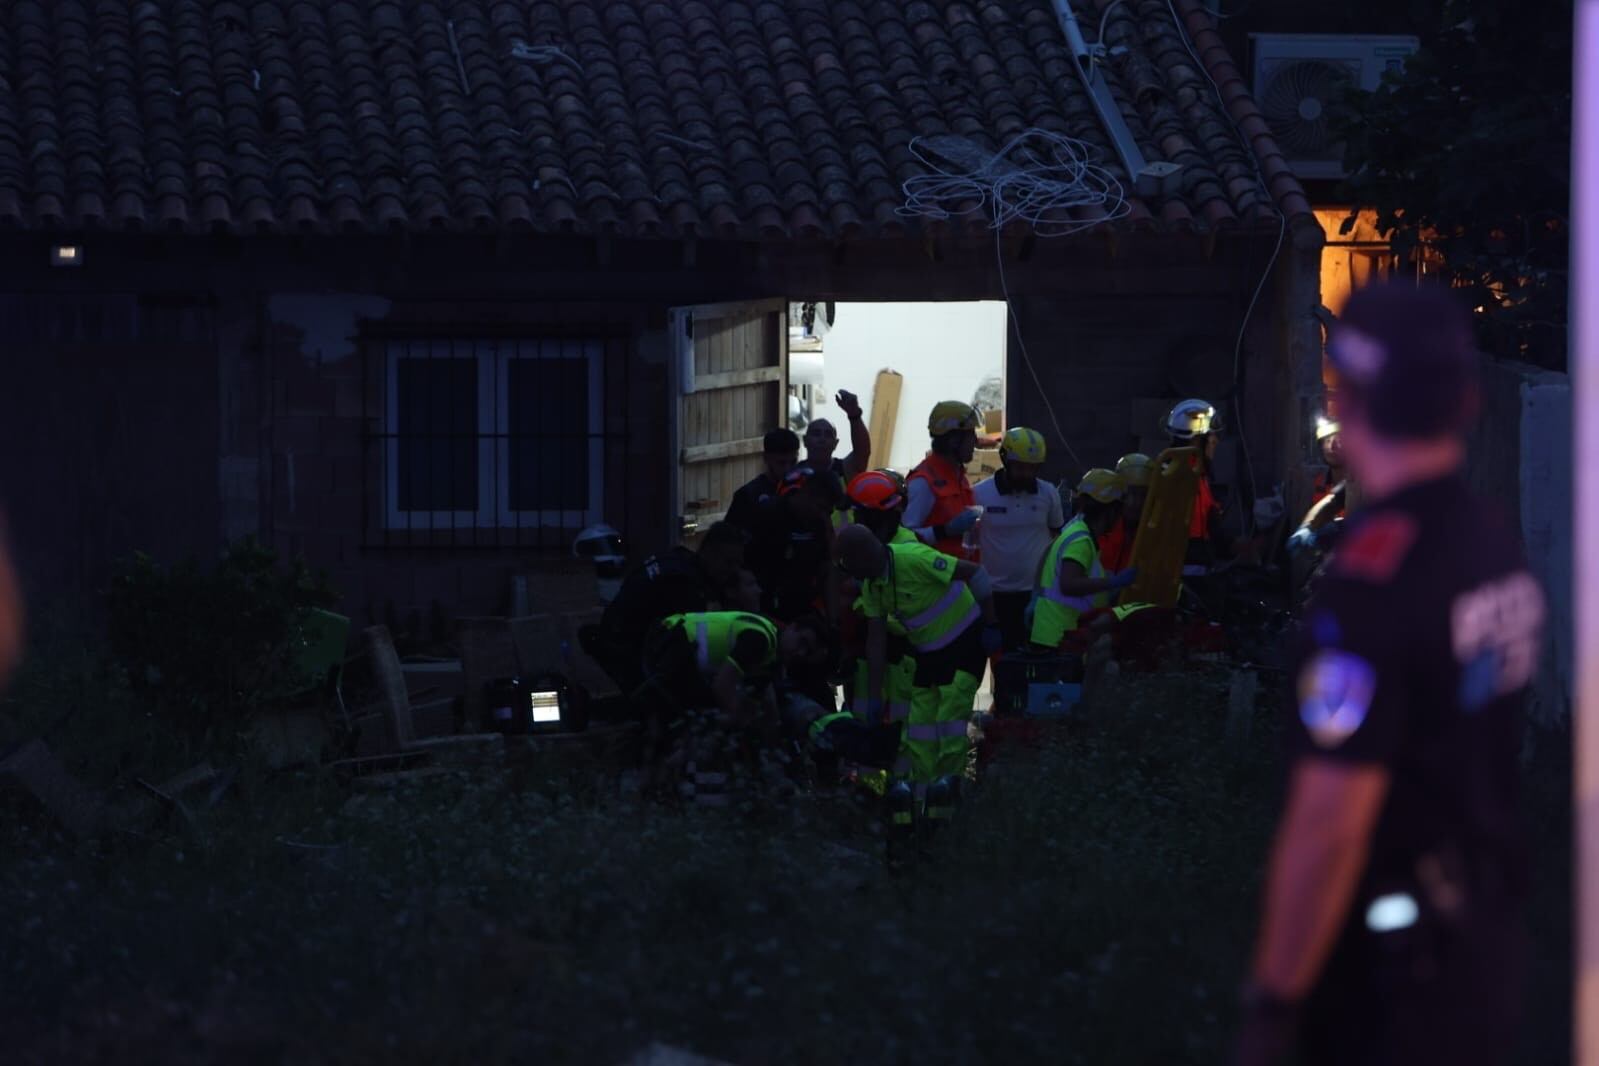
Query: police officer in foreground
point(1390, 929)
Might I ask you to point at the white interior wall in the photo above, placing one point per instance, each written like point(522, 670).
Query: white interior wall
point(944, 351)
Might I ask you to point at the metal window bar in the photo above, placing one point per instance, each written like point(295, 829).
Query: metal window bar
point(517, 461)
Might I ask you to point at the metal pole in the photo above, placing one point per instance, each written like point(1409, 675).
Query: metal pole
point(1584, 361)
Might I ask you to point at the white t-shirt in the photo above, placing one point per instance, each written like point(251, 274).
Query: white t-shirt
point(1015, 531)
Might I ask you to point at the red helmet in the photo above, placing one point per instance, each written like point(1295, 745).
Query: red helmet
point(795, 480)
point(875, 491)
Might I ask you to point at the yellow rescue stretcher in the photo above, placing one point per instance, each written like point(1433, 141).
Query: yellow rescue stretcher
point(1161, 541)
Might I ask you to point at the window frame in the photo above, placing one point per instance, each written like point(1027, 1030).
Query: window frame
point(493, 356)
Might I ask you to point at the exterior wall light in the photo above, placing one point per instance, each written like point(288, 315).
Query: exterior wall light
point(66, 255)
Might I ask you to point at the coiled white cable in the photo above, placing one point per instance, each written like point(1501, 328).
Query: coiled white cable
point(1039, 178)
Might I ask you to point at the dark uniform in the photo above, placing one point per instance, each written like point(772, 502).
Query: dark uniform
point(1415, 654)
point(673, 582)
point(755, 510)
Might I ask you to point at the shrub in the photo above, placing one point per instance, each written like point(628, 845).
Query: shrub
point(213, 647)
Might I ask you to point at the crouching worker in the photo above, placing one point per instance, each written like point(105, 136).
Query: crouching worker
point(1072, 582)
point(947, 610)
point(714, 673)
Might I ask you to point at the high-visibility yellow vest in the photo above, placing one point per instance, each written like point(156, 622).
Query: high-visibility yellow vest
point(1054, 613)
point(920, 590)
point(714, 634)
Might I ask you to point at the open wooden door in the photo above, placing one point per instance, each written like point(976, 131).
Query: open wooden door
point(732, 381)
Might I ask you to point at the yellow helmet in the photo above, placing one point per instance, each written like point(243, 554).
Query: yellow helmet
point(1135, 469)
point(951, 416)
point(1023, 445)
point(1325, 427)
point(1103, 485)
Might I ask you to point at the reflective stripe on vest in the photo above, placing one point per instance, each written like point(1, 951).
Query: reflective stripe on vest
point(715, 632)
point(1054, 613)
point(930, 731)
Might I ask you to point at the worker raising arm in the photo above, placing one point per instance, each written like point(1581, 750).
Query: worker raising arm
point(821, 442)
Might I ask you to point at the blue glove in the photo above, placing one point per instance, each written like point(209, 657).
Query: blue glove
point(961, 522)
point(1124, 579)
point(993, 640)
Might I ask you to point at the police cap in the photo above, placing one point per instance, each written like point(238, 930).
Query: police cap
point(1405, 355)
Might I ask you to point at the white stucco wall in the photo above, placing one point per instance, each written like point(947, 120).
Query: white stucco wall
point(944, 350)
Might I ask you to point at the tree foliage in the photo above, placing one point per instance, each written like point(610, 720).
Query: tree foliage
point(1465, 158)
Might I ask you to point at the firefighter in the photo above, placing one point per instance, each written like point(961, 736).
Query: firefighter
point(1072, 581)
point(1391, 927)
point(939, 506)
point(1021, 515)
point(1317, 530)
point(1116, 547)
point(946, 607)
point(1193, 424)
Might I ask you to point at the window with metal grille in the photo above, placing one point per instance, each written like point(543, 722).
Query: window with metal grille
point(492, 434)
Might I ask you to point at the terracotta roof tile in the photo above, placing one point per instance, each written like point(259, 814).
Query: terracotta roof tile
point(739, 118)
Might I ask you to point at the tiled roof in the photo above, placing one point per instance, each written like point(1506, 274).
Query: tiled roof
point(720, 118)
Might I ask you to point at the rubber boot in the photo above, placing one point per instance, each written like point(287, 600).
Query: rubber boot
point(901, 820)
point(940, 803)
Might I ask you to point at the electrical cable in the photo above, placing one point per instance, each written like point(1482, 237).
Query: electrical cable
point(1271, 264)
point(1037, 177)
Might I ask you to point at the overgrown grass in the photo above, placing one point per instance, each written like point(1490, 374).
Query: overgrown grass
point(1095, 904)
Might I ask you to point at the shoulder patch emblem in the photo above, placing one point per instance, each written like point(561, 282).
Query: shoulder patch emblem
point(1375, 551)
point(941, 563)
point(1335, 691)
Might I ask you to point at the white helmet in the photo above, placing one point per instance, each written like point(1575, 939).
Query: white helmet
point(599, 544)
point(1190, 419)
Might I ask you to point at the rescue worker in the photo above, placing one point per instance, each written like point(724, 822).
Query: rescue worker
point(677, 581)
point(1328, 495)
point(704, 658)
point(1071, 581)
point(709, 673)
point(939, 506)
point(1330, 445)
point(754, 510)
point(1021, 515)
point(946, 606)
point(877, 501)
point(1390, 928)
point(878, 497)
point(1116, 547)
point(1193, 424)
point(821, 442)
point(803, 583)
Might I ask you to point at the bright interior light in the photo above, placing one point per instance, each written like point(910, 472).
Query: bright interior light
point(1393, 912)
point(546, 706)
point(67, 251)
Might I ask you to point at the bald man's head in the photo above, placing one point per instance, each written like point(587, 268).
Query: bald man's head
point(860, 553)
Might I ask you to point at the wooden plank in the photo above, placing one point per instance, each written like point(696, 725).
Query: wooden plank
point(734, 378)
point(723, 450)
point(884, 414)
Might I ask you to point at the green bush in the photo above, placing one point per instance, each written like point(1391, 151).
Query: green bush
point(211, 648)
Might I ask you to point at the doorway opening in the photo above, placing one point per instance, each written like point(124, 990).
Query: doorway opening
point(898, 359)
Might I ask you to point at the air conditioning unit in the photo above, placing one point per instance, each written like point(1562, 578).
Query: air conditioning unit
point(1300, 76)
